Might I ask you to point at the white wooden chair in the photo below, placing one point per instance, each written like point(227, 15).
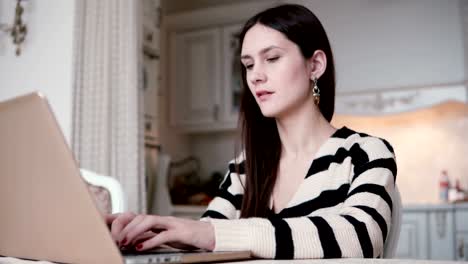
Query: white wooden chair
point(391, 244)
point(117, 199)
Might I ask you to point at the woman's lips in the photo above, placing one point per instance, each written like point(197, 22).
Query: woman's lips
point(263, 95)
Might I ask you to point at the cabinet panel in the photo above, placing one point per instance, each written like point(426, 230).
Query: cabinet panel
point(195, 77)
point(203, 46)
point(413, 242)
point(461, 234)
point(461, 217)
point(232, 72)
point(441, 234)
point(461, 248)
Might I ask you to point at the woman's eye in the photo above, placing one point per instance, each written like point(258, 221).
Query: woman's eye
point(249, 66)
point(272, 59)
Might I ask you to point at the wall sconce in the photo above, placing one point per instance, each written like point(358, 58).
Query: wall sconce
point(18, 30)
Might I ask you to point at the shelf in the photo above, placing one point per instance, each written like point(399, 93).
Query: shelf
point(189, 208)
point(188, 211)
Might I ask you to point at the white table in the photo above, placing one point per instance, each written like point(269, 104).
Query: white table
point(4, 260)
point(349, 261)
point(304, 261)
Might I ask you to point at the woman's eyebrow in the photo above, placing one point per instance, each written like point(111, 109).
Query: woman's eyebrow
point(262, 51)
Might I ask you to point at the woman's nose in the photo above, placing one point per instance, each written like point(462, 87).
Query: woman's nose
point(257, 75)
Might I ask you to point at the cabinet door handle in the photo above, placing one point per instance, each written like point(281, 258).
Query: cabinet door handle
point(461, 249)
point(216, 112)
point(441, 223)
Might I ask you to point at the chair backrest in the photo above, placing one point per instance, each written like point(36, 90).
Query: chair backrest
point(391, 244)
point(111, 185)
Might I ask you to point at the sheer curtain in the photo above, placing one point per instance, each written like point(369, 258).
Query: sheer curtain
point(107, 134)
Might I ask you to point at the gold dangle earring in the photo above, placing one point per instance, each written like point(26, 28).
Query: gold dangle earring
point(316, 91)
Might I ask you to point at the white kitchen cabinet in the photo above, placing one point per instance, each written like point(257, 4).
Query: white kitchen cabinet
point(441, 235)
point(195, 77)
point(413, 236)
point(461, 217)
point(231, 73)
point(435, 232)
point(461, 237)
point(461, 248)
point(205, 78)
point(204, 66)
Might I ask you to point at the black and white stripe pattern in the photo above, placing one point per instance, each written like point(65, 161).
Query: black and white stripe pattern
point(343, 207)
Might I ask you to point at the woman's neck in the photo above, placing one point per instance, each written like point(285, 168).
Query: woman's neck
point(303, 131)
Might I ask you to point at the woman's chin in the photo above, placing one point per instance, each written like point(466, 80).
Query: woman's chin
point(270, 113)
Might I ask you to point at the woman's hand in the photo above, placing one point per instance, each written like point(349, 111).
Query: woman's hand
point(129, 229)
point(117, 222)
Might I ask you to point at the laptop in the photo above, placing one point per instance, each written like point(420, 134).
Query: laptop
point(46, 210)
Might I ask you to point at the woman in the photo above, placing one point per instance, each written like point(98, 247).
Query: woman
point(301, 188)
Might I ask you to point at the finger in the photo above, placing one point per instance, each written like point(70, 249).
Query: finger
point(135, 222)
point(111, 217)
point(119, 223)
point(158, 240)
point(144, 237)
point(149, 223)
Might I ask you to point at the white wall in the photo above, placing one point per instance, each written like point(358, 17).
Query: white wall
point(45, 63)
point(388, 44)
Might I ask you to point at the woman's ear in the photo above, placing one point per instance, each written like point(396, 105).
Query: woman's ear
point(317, 64)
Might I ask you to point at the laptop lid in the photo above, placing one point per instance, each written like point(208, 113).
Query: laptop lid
point(47, 212)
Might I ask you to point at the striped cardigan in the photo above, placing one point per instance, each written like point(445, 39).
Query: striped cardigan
point(343, 207)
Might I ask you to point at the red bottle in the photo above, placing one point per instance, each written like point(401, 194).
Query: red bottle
point(444, 186)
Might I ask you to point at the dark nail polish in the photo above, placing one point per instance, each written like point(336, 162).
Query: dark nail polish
point(139, 246)
point(124, 242)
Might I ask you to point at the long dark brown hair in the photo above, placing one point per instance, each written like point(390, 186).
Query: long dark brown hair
point(259, 134)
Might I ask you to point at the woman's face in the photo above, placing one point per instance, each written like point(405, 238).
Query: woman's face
point(276, 72)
